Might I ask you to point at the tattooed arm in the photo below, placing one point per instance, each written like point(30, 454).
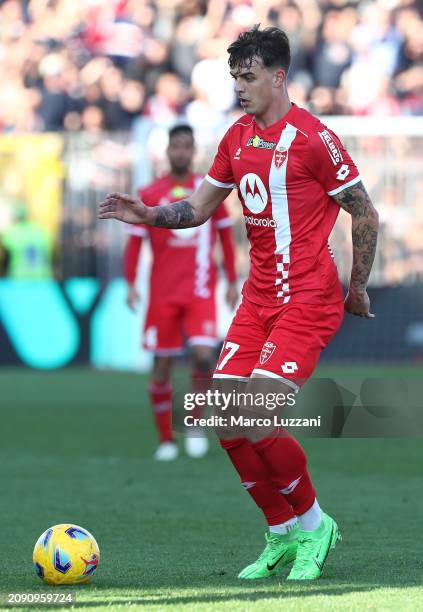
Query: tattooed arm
point(365, 224)
point(187, 213)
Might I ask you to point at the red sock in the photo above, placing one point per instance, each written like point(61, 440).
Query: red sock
point(161, 401)
point(200, 383)
point(287, 465)
point(256, 481)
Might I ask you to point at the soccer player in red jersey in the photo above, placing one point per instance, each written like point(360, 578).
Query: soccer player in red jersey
point(293, 175)
point(182, 290)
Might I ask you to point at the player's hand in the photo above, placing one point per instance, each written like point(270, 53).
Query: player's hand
point(132, 298)
point(124, 208)
point(232, 295)
point(358, 303)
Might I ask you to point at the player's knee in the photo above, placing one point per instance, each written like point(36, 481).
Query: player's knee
point(203, 365)
point(161, 369)
point(203, 358)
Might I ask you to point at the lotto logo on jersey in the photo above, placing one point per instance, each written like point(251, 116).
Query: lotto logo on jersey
point(343, 172)
point(253, 192)
point(266, 352)
point(331, 147)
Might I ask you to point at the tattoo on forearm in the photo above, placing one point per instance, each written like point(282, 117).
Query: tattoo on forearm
point(364, 239)
point(356, 201)
point(175, 216)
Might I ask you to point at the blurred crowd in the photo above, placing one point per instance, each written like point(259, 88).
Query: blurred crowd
point(85, 66)
point(102, 64)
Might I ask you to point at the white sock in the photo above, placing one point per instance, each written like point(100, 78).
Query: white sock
point(311, 520)
point(285, 527)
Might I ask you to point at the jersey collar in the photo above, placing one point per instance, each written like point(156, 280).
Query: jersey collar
point(280, 123)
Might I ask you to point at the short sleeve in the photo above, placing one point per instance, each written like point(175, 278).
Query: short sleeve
point(220, 173)
point(221, 217)
point(330, 163)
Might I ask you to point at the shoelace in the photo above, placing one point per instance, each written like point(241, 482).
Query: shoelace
point(304, 551)
point(272, 545)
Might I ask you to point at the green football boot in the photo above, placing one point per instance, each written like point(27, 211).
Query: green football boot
point(313, 549)
point(279, 551)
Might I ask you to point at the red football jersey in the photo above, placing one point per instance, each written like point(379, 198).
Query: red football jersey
point(286, 175)
point(183, 265)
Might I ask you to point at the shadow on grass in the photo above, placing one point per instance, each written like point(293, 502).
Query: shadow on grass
point(384, 575)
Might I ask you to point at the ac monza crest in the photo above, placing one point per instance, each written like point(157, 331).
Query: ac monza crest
point(280, 156)
point(208, 327)
point(266, 352)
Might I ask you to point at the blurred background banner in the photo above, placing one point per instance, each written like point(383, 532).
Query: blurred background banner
point(89, 92)
point(31, 172)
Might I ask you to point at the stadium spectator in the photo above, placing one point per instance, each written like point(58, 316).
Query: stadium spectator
point(332, 55)
point(27, 248)
point(168, 100)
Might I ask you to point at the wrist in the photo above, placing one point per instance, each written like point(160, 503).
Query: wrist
point(150, 214)
point(357, 288)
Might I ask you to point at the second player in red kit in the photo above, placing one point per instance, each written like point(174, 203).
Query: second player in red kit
point(181, 305)
point(183, 274)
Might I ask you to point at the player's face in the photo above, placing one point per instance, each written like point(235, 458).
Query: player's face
point(256, 86)
point(180, 152)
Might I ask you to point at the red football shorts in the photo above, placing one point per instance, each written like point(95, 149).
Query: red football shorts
point(167, 325)
point(282, 343)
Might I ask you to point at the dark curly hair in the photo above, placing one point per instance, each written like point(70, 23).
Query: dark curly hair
point(271, 45)
point(181, 128)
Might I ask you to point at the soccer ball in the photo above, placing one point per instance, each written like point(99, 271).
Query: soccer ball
point(66, 554)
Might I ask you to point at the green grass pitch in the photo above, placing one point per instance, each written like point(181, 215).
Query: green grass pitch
point(75, 446)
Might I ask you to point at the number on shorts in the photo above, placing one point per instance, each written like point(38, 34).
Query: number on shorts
point(232, 348)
